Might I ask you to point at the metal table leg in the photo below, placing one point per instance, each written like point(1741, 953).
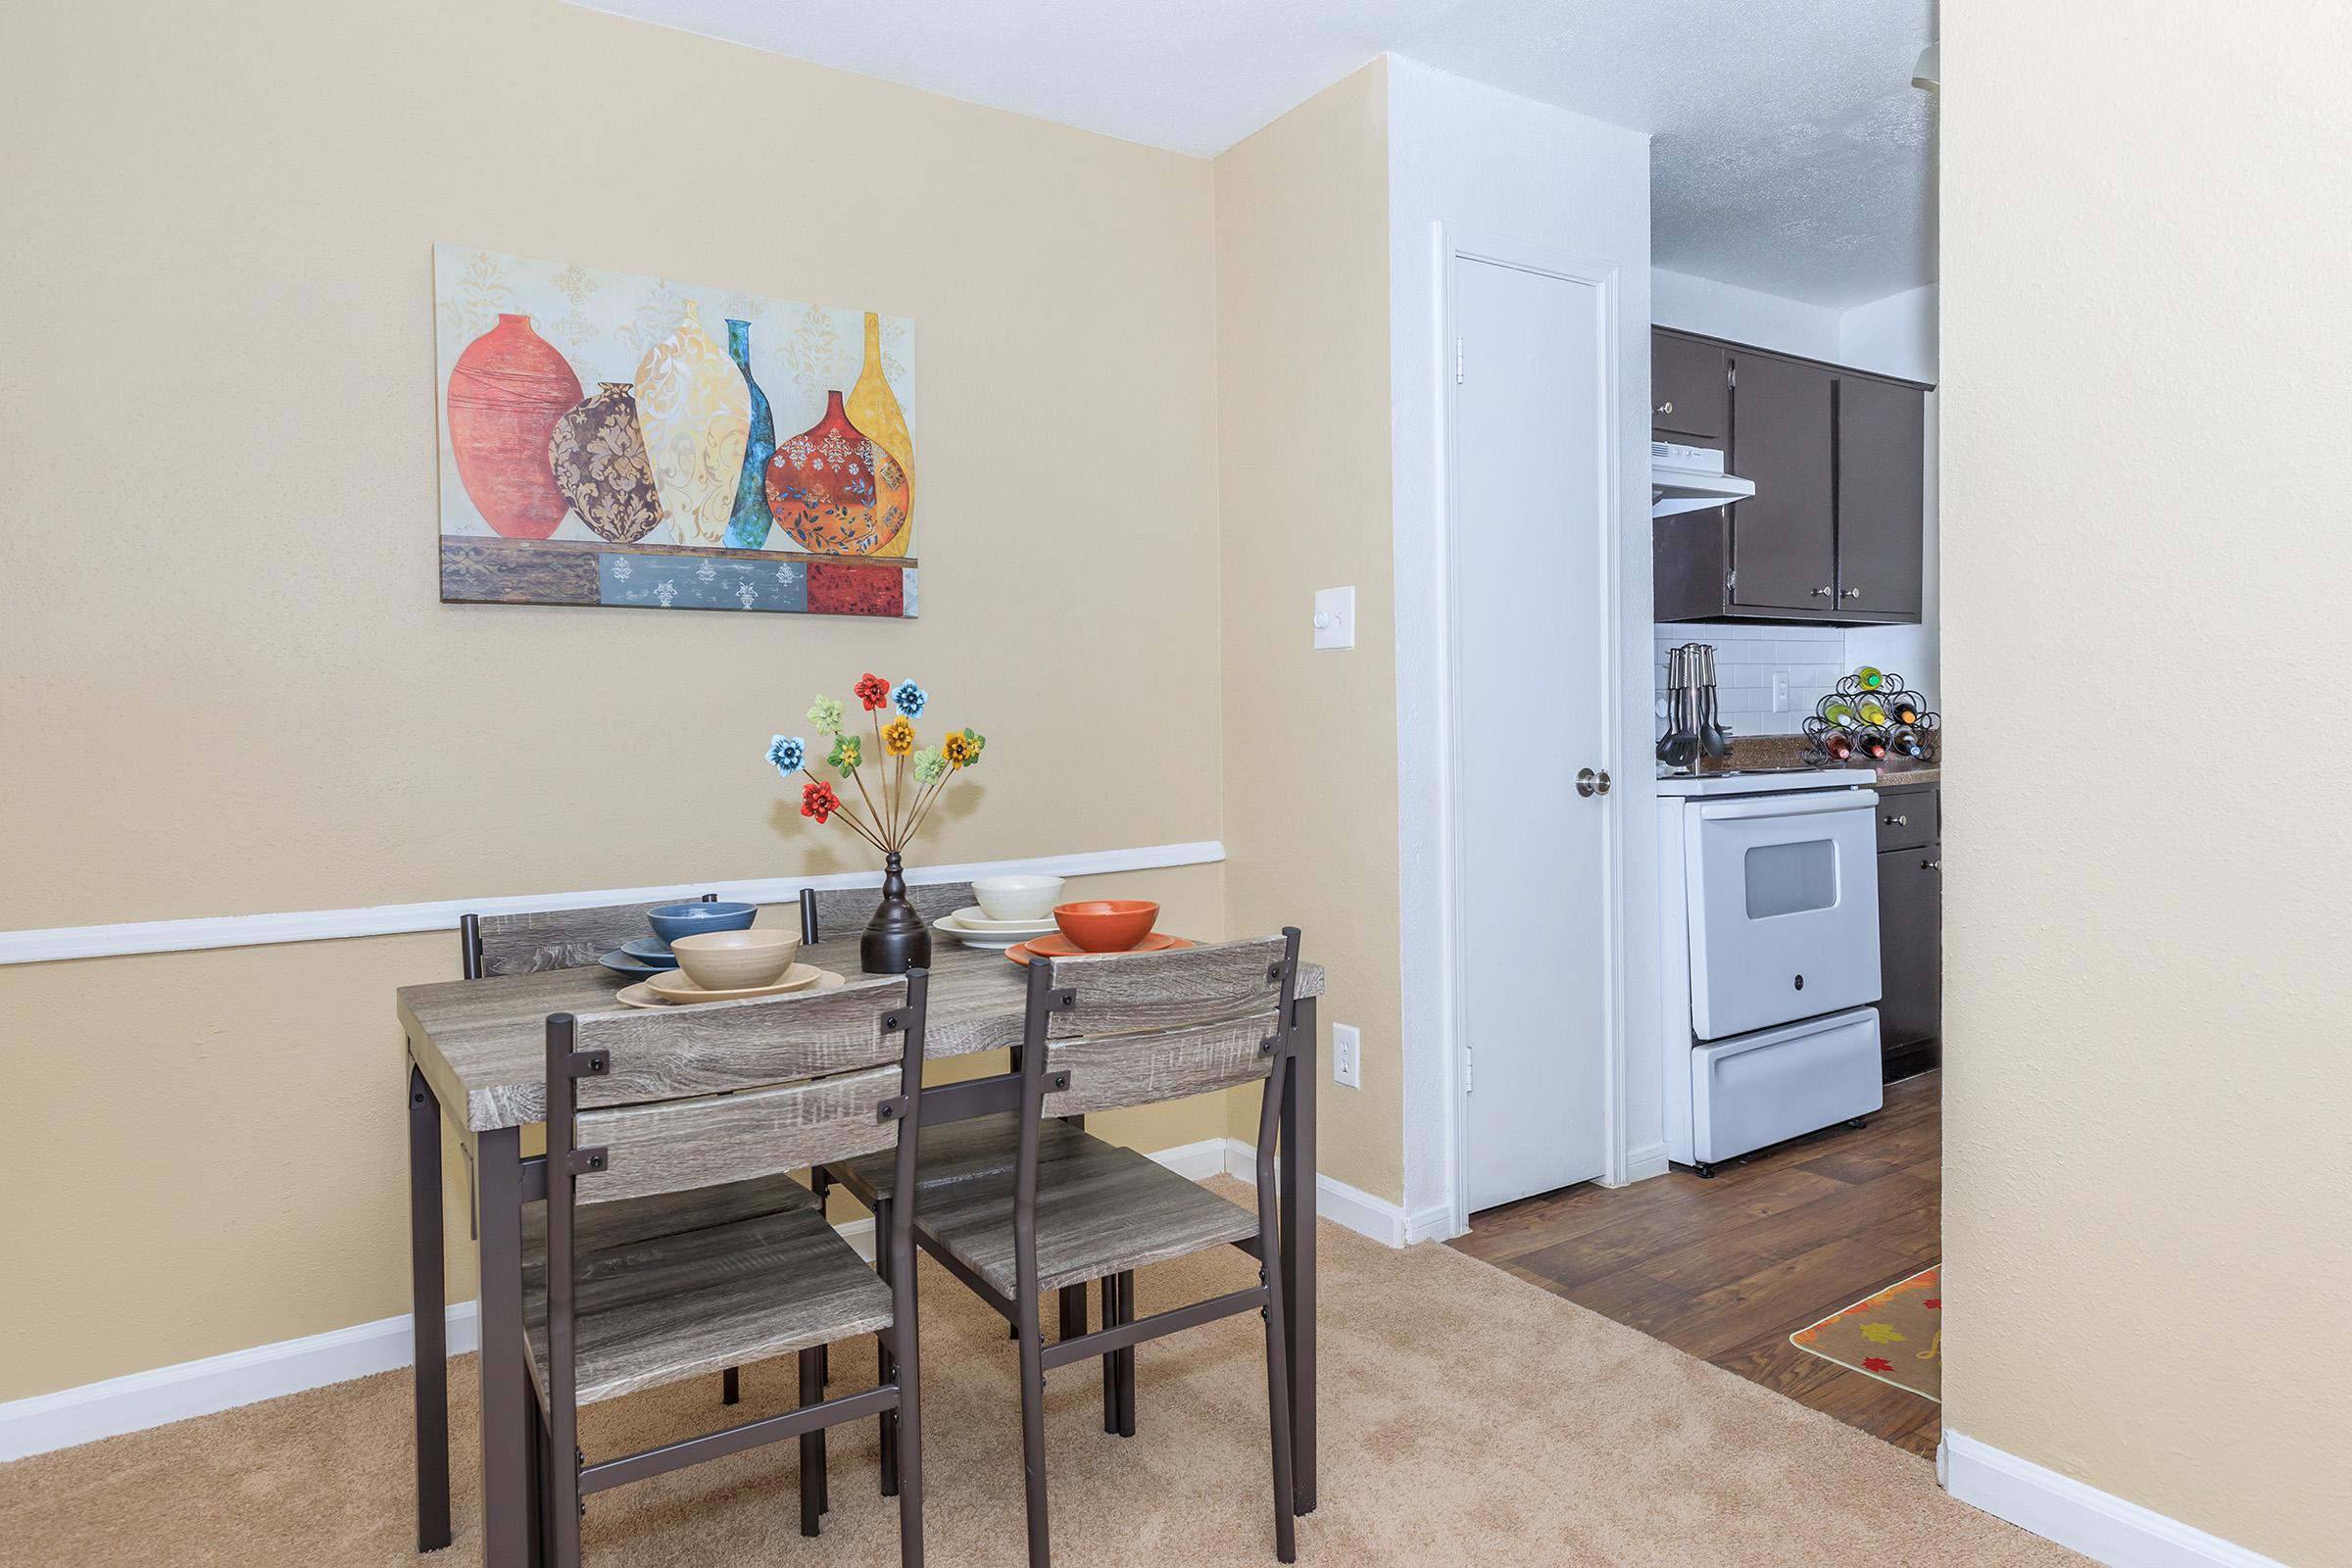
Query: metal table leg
point(428, 1306)
point(1299, 1249)
point(505, 1496)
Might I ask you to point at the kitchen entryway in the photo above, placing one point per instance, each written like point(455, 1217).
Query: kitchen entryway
point(1728, 1269)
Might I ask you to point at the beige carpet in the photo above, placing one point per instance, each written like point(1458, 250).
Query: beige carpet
point(1468, 1417)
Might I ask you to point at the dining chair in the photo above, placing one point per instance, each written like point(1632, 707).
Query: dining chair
point(1102, 1033)
point(646, 1105)
point(535, 940)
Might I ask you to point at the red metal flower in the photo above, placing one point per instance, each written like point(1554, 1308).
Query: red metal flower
point(818, 799)
point(1877, 1363)
point(873, 691)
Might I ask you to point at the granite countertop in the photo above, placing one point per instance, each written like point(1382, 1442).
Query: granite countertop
point(1788, 751)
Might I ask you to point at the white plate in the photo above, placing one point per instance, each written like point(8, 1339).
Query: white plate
point(642, 994)
point(992, 941)
point(969, 918)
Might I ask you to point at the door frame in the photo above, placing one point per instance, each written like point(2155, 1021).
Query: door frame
point(1455, 246)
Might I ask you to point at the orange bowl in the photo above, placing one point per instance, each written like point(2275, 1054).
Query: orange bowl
point(1107, 925)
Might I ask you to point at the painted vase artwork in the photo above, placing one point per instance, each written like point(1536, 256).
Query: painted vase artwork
point(504, 395)
point(663, 485)
point(598, 453)
point(697, 416)
point(833, 490)
point(748, 526)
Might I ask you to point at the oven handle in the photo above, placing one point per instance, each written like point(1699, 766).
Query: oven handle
point(1771, 805)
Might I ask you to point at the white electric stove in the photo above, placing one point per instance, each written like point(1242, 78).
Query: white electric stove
point(1769, 900)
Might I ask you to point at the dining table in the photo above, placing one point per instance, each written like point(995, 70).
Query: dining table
point(476, 1058)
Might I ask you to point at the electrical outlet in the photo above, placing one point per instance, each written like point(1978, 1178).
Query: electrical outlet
point(1347, 1056)
point(1779, 691)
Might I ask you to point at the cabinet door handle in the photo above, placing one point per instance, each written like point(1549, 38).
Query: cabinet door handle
point(1898, 822)
point(1666, 407)
point(1931, 866)
point(1853, 593)
point(1824, 593)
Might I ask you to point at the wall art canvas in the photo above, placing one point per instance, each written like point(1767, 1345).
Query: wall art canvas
point(611, 439)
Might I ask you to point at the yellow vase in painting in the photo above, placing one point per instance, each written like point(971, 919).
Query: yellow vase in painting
point(874, 410)
point(695, 409)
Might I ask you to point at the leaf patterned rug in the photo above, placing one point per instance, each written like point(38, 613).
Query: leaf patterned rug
point(1895, 1336)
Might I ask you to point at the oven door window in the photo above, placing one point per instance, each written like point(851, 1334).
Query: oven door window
point(1790, 878)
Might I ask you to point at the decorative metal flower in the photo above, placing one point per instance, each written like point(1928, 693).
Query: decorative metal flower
point(825, 714)
point(788, 753)
point(848, 752)
point(908, 699)
point(818, 799)
point(888, 813)
point(960, 751)
point(873, 690)
point(897, 737)
point(929, 766)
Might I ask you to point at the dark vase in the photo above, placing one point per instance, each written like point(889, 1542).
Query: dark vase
point(896, 940)
point(749, 523)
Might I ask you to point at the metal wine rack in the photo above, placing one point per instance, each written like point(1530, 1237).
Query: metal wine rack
point(1893, 697)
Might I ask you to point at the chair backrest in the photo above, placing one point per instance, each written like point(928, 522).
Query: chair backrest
point(828, 914)
point(539, 940)
point(1130, 1029)
point(696, 1097)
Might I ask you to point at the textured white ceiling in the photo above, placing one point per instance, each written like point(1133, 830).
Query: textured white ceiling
point(1791, 153)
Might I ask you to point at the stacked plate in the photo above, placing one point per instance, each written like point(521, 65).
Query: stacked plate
point(970, 926)
point(641, 958)
point(669, 988)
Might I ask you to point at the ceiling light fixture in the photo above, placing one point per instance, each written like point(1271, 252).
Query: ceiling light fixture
point(1928, 74)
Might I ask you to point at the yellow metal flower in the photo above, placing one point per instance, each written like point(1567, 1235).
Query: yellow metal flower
point(959, 749)
point(897, 737)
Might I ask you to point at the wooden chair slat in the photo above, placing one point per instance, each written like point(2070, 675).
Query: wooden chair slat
point(843, 911)
point(1127, 993)
point(671, 1144)
point(539, 940)
point(663, 1054)
point(1114, 1071)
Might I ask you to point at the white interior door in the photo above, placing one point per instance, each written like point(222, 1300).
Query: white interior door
point(1531, 627)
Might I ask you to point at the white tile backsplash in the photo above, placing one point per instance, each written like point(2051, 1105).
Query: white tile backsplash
point(1746, 658)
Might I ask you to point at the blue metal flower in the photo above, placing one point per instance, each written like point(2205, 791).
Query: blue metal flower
point(788, 753)
point(908, 699)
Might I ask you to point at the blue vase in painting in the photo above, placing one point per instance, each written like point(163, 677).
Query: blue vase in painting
point(746, 528)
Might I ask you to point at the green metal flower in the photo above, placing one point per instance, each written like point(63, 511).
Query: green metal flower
point(929, 766)
point(825, 714)
point(846, 755)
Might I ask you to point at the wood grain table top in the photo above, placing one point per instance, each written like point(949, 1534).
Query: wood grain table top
point(482, 1043)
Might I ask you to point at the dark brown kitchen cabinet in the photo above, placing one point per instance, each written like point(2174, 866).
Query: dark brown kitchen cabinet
point(1688, 390)
point(1784, 537)
point(1911, 935)
point(1881, 482)
point(1835, 533)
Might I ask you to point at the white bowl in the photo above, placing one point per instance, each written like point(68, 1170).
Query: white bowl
point(1017, 897)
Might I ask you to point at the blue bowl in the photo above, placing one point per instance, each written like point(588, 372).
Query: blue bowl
point(671, 921)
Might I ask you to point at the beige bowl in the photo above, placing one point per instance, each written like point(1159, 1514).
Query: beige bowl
point(1017, 897)
point(731, 961)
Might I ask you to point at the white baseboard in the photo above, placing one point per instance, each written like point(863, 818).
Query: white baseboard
point(1376, 1217)
point(2081, 1518)
point(386, 919)
point(168, 1394)
point(1640, 1165)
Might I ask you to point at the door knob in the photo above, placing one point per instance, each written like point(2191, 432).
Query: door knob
point(1587, 782)
point(1931, 866)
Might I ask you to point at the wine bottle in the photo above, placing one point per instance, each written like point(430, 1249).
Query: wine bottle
point(1905, 741)
point(1870, 678)
point(1838, 745)
point(1872, 742)
point(1873, 710)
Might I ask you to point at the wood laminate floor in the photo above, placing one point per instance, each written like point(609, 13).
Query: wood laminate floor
point(1728, 1269)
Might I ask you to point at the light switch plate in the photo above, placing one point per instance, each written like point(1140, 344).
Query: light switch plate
point(1347, 1056)
point(1335, 617)
point(1779, 691)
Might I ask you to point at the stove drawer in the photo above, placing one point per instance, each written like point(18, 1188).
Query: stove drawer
point(1764, 1089)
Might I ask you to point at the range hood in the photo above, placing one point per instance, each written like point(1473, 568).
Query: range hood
point(1691, 479)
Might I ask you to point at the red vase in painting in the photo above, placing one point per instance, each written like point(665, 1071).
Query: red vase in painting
point(506, 394)
point(833, 491)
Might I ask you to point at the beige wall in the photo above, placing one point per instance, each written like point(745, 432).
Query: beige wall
point(2143, 406)
point(1310, 771)
point(228, 685)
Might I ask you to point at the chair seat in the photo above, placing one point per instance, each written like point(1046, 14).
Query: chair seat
point(638, 1219)
point(663, 1308)
point(1105, 1212)
point(959, 1151)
